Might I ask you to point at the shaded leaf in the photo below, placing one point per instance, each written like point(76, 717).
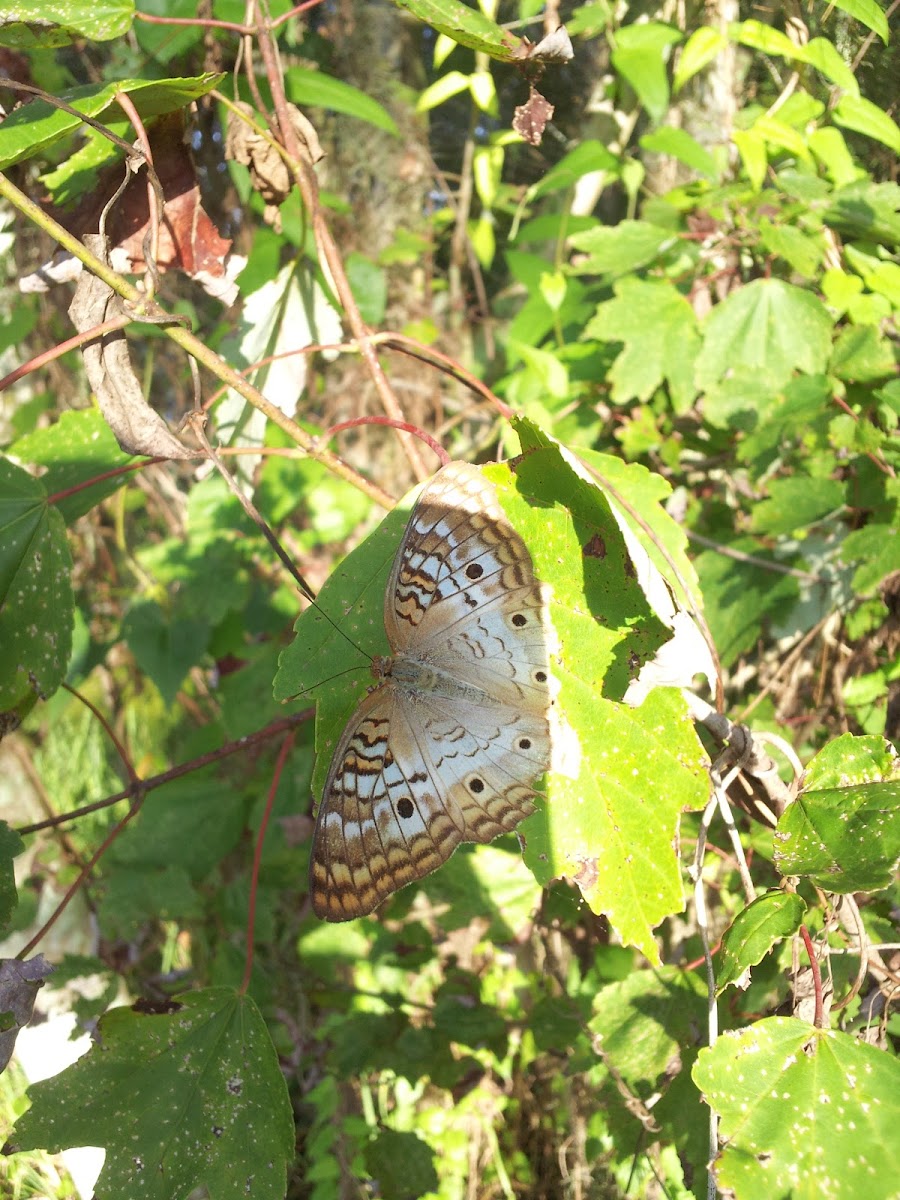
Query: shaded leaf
point(213, 1112)
point(843, 829)
point(401, 1165)
point(35, 127)
point(36, 602)
point(74, 451)
point(796, 503)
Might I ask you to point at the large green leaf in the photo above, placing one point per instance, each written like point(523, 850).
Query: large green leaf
point(869, 13)
point(307, 87)
point(769, 325)
point(661, 340)
point(35, 127)
point(37, 24)
point(187, 1098)
point(75, 452)
point(640, 57)
point(804, 1112)
point(621, 776)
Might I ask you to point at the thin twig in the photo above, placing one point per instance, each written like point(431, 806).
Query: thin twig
point(712, 1015)
point(274, 729)
point(283, 753)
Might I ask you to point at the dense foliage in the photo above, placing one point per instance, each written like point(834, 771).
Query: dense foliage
point(656, 268)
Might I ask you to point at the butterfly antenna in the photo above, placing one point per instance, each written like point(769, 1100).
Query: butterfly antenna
point(197, 422)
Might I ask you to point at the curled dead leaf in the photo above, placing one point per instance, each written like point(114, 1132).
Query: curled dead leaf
point(269, 173)
point(137, 428)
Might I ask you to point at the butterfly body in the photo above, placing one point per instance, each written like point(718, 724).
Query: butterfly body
point(446, 748)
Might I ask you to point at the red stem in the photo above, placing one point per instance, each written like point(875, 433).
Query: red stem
point(819, 1019)
point(286, 747)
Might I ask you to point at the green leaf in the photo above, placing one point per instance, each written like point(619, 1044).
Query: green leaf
point(139, 895)
point(466, 26)
point(739, 596)
point(214, 1110)
point(869, 13)
point(825, 57)
point(486, 883)
point(646, 494)
point(193, 823)
point(878, 547)
point(698, 51)
point(678, 143)
point(11, 845)
point(782, 415)
point(36, 602)
point(803, 1112)
point(765, 922)
point(402, 1165)
point(36, 24)
point(830, 147)
point(369, 285)
point(862, 116)
point(611, 813)
point(767, 326)
point(662, 341)
point(863, 355)
point(35, 127)
point(310, 88)
point(618, 249)
point(646, 1020)
point(866, 211)
point(647, 1028)
point(766, 38)
point(782, 136)
point(794, 504)
point(165, 43)
point(585, 158)
point(752, 149)
point(798, 249)
point(164, 649)
point(444, 88)
point(640, 57)
point(595, 819)
point(843, 829)
point(75, 450)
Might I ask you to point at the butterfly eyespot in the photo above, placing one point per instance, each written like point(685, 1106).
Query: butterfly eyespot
point(540, 676)
point(476, 785)
point(518, 619)
point(524, 743)
point(405, 807)
point(474, 571)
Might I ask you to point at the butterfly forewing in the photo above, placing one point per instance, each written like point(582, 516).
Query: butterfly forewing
point(447, 748)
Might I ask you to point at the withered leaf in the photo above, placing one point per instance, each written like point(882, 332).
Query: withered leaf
point(137, 428)
point(269, 173)
point(530, 119)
